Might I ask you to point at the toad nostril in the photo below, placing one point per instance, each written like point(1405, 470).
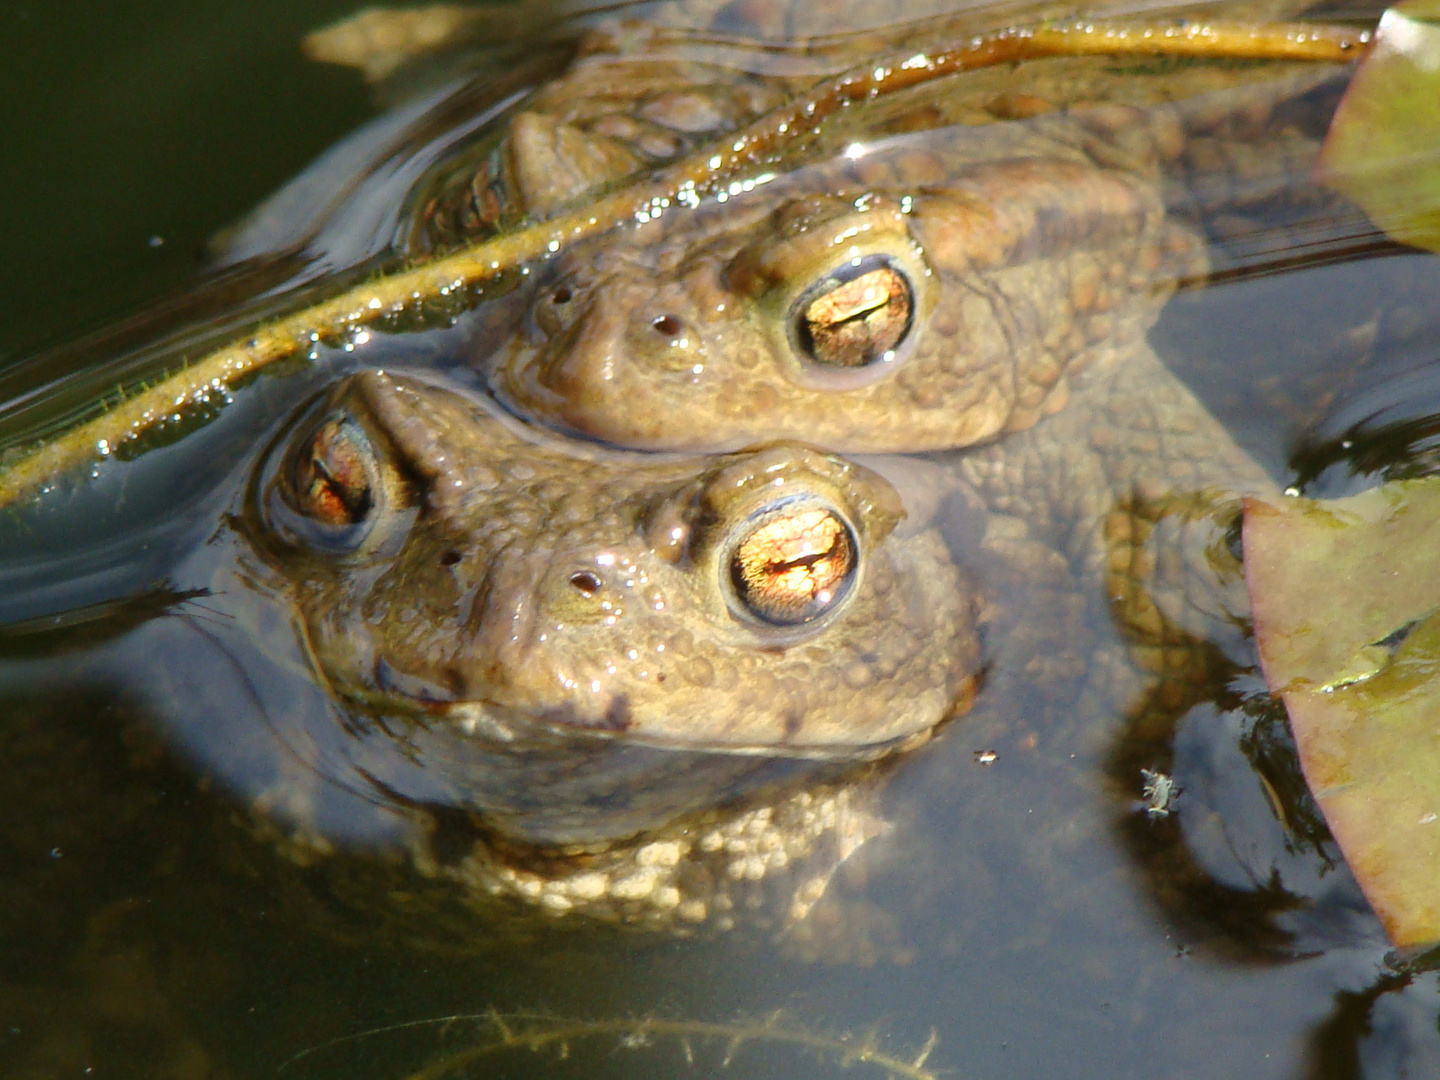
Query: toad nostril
point(561, 295)
point(668, 325)
point(449, 557)
point(586, 582)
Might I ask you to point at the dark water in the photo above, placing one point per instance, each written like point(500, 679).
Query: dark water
point(1043, 924)
point(136, 131)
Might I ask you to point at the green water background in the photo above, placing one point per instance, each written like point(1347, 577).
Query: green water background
point(133, 131)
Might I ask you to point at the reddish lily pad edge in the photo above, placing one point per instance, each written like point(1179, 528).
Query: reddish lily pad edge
point(1346, 600)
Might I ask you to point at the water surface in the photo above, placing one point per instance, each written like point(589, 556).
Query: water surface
point(1055, 929)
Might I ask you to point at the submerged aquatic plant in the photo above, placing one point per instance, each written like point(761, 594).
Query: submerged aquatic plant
point(496, 1034)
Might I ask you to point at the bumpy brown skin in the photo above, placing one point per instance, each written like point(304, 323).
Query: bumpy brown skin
point(1044, 251)
point(559, 608)
point(509, 581)
point(1038, 251)
point(1139, 484)
point(625, 360)
point(1033, 248)
point(640, 95)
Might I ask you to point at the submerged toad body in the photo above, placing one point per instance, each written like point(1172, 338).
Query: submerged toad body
point(601, 645)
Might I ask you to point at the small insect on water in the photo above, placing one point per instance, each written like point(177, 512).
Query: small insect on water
point(1159, 793)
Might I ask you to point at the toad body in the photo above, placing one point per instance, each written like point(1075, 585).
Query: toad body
point(981, 289)
point(932, 276)
point(617, 654)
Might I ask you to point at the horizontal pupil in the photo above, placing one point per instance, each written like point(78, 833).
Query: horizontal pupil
point(789, 570)
point(334, 480)
point(857, 321)
point(803, 562)
point(854, 298)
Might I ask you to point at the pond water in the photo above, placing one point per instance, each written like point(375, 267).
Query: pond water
point(1025, 916)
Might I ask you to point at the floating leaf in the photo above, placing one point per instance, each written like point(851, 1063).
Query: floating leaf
point(1383, 149)
point(1346, 597)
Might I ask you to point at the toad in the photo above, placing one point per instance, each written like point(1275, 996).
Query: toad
point(978, 288)
point(621, 665)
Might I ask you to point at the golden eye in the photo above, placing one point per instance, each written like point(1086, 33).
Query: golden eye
point(331, 475)
point(856, 315)
point(794, 566)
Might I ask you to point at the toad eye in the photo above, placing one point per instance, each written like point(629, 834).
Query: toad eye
point(332, 474)
point(796, 562)
point(856, 315)
point(327, 489)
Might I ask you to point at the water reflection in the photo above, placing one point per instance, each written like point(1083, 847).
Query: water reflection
point(1025, 905)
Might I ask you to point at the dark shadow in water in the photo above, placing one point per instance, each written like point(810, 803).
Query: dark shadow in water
point(1235, 920)
point(90, 625)
point(1242, 864)
point(1391, 431)
point(1334, 1046)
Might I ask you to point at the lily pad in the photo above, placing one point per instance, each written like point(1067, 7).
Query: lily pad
point(1346, 597)
point(1383, 148)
